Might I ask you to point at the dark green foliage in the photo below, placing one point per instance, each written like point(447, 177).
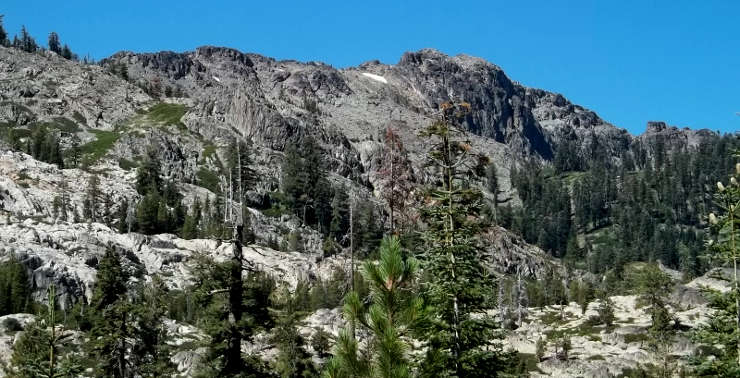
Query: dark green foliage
point(147, 212)
point(110, 285)
point(395, 311)
point(15, 287)
point(320, 342)
point(605, 310)
point(305, 186)
point(122, 216)
point(367, 229)
point(568, 157)
point(212, 296)
point(646, 210)
point(44, 350)
point(54, 44)
point(653, 287)
point(26, 42)
point(3, 34)
point(160, 209)
point(329, 293)
point(191, 226)
point(127, 334)
point(93, 198)
point(120, 70)
point(208, 180)
point(720, 335)
point(464, 341)
point(44, 145)
point(339, 214)
point(491, 179)
point(12, 325)
point(292, 360)
point(148, 175)
point(150, 355)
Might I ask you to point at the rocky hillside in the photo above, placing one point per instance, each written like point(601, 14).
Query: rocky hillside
point(188, 108)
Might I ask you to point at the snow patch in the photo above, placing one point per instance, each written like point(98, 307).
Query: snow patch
point(375, 77)
point(215, 78)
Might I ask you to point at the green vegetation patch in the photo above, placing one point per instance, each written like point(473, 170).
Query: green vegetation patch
point(127, 164)
point(528, 363)
point(208, 151)
point(552, 317)
point(208, 180)
point(636, 338)
point(167, 114)
point(99, 147)
point(59, 123)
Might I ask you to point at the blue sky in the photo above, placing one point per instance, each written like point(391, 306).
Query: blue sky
point(630, 61)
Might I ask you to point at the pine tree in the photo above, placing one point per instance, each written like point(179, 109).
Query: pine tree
point(292, 360)
point(304, 183)
point(67, 53)
point(395, 312)
point(3, 34)
point(147, 213)
point(606, 309)
point(150, 355)
point(27, 43)
point(723, 327)
point(43, 350)
point(121, 216)
point(339, 214)
point(54, 44)
point(233, 308)
point(148, 175)
point(92, 198)
point(653, 286)
point(15, 288)
point(464, 340)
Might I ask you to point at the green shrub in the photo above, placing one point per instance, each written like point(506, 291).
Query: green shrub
point(127, 164)
point(79, 118)
point(208, 180)
point(12, 325)
point(636, 338)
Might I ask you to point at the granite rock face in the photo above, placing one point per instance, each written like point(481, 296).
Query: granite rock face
point(186, 109)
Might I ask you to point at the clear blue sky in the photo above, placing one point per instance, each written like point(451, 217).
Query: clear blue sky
point(630, 61)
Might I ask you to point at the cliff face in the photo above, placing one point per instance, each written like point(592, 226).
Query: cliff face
point(212, 95)
point(188, 107)
point(274, 102)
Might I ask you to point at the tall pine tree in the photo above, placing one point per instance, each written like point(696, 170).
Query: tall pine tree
point(465, 340)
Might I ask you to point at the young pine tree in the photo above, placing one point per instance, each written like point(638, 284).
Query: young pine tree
point(111, 331)
point(395, 311)
point(292, 360)
point(43, 349)
point(653, 287)
point(464, 340)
